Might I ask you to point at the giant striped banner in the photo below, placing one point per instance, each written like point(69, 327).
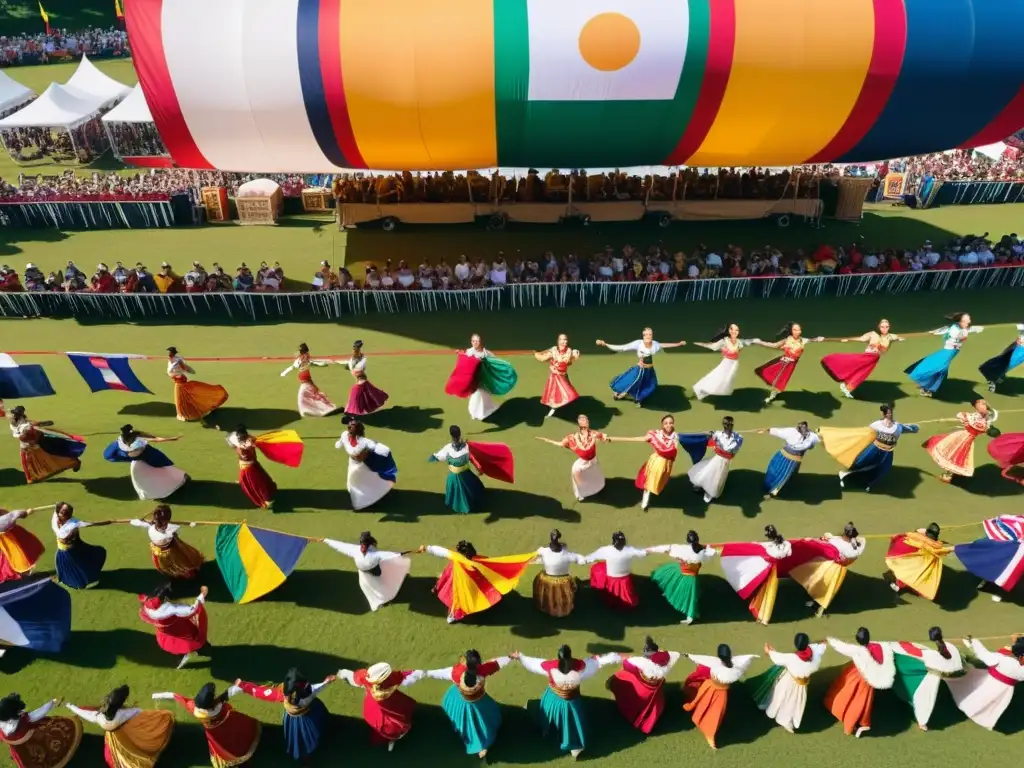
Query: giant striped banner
point(319, 85)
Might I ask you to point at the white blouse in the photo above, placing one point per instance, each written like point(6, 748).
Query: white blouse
point(362, 444)
point(356, 366)
point(653, 671)
point(448, 451)
point(933, 660)
point(777, 551)
point(364, 561)
point(478, 353)
point(133, 449)
point(98, 718)
point(10, 519)
point(19, 430)
point(878, 676)
point(168, 609)
point(573, 679)
point(64, 531)
point(721, 673)
point(10, 726)
point(685, 553)
point(797, 667)
point(176, 366)
point(557, 563)
point(446, 673)
point(618, 561)
point(730, 443)
point(160, 538)
point(1005, 665)
point(847, 549)
point(955, 335)
point(638, 346)
point(796, 443)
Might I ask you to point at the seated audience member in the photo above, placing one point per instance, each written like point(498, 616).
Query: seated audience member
point(9, 281)
point(270, 282)
point(387, 282)
point(53, 282)
point(35, 280)
point(218, 280)
point(405, 277)
point(120, 276)
point(243, 278)
point(195, 279)
point(372, 281)
point(140, 281)
point(326, 279)
point(103, 281)
point(166, 280)
point(74, 278)
point(463, 272)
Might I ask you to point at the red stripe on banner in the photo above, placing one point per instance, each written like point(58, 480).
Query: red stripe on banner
point(1006, 123)
point(721, 45)
point(144, 21)
point(883, 71)
point(329, 30)
point(149, 162)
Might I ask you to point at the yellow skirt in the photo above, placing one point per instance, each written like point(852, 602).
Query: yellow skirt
point(40, 465)
point(921, 571)
point(140, 742)
point(178, 561)
point(655, 473)
point(554, 595)
point(822, 581)
point(194, 399)
point(844, 444)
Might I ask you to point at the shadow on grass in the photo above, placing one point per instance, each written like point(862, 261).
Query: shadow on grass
point(880, 392)
point(338, 591)
point(988, 481)
point(742, 400)
point(136, 581)
point(900, 483)
point(268, 663)
point(960, 391)
point(213, 493)
point(409, 506)
point(820, 404)
point(255, 419)
point(154, 409)
point(530, 411)
point(668, 398)
point(405, 418)
point(11, 476)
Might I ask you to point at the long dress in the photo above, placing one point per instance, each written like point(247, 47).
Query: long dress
point(638, 381)
point(710, 474)
point(255, 482)
point(851, 697)
point(721, 380)
point(303, 721)
point(153, 474)
point(193, 399)
point(781, 691)
point(984, 694)
point(463, 491)
point(36, 740)
point(20, 550)
point(180, 629)
point(480, 377)
point(996, 369)
point(611, 576)
point(468, 586)
point(752, 569)
point(656, 471)
point(586, 475)
point(823, 575)
point(312, 402)
point(706, 691)
point(920, 671)
point(865, 453)
point(372, 471)
point(386, 709)
point(554, 588)
point(916, 562)
point(930, 372)
point(639, 686)
point(560, 710)
point(474, 715)
point(558, 390)
point(381, 573)
point(851, 369)
point(678, 581)
point(996, 561)
point(1008, 451)
point(78, 564)
point(363, 398)
point(133, 738)
point(46, 452)
point(172, 557)
point(954, 452)
point(787, 460)
point(777, 372)
point(231, 736)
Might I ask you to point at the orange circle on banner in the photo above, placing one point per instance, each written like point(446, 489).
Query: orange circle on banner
point(609, 41)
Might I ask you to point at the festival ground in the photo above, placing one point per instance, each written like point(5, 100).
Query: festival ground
point(319, 620)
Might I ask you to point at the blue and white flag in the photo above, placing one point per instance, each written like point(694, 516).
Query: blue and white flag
point(35, 614)
point(103, 372)
point(1000, 562)
point(17, 381)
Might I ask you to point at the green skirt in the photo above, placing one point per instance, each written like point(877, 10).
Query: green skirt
point(463, 492)
point(564, 717)
point(761, 686)
point(680, 589)
point(476, 722)
point(496, 376)
point(910, 673)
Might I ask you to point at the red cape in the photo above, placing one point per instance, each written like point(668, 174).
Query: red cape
point(462, 382)
point(493, 460)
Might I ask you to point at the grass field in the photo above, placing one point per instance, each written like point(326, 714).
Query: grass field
point(318, 620)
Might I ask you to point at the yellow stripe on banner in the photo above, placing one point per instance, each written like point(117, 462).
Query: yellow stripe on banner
point(279, 436)
point(262, 572)
point(420, 94)
point(797, 71)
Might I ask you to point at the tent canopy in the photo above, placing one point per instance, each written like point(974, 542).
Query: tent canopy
point(13, 93)
point(89, 81)
point(56, 108)
point(132, 110)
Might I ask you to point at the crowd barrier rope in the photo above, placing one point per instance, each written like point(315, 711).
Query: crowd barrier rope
point(332, 305)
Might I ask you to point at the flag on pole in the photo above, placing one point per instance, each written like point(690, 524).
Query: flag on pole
point(255, 561)
point(283, 446)
point(118, 9)
point(46, 17)
point(22, 380)
point(107, 371)
point(35, 614)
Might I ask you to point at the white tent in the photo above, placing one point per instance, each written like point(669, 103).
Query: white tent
point(56, 108)
point(89, 81)
point(12, 93)
point(133, 109)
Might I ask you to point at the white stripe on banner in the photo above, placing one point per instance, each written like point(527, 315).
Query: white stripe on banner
point(1011, 566)
point(10, 630)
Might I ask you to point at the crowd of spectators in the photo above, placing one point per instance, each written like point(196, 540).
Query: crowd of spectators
point(136, 140)
point(62, 45)
point(81, 144)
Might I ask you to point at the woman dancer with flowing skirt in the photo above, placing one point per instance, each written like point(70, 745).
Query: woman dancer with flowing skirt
point(37, 739)
point(781, 691)
point(709, 475)
point(253, 479)
point(776, 373)
point(45, 452)
point(381, 573)
point(132, 737)
point(559, 390)
point(954, 452)
point(312, 402)
point(678, 581)
point(363, 398)
point(638, 381)
point(865, 453)
point(611, 573)
point(171, 556)
point(193, 400)
point(920, 672)
point(586, 474)
point(706, 690)
point(20, 549)
point(305, 716)
point(721, 381)
point(639, 687)
point(851, 370)
point(154, 476)
point(372, 471)
point(387, 710)
point(474, 715)
point(554, 588)
point(78, 564)
point(786, 461)
point(851, 699)
point(997, 368)
point(231, 736)
point(481, 377)
point(930, 372)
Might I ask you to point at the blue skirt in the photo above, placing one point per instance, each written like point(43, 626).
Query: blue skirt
point(563, 717)
point(638, 383)
point(383, 466)
point(302, 732)
point(995, 369)
point(780, 470)
point(929, 372)
point(871, 466)
point(150, 455)
point(80, 565)
point(476, 722)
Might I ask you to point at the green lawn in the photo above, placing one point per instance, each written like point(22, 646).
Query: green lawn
point(319, 621)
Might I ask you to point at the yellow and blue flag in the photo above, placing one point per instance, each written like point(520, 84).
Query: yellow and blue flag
point(256, 561)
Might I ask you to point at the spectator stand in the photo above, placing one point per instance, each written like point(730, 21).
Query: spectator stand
point(13, 95)
point(132, 134)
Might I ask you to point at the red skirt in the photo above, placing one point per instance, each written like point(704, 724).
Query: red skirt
point(558, 391)
point(639, 702)
point(389, 720)
point(777, 373)
point(443, 590)
point(365, 398)
point(236, 737)
point(183, 635)
point(257, 485)
point(851, 369)
point(20, 550)
point(617, 592)
point(462, 382)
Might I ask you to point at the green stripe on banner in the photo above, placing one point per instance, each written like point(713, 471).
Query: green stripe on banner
point(229, 561)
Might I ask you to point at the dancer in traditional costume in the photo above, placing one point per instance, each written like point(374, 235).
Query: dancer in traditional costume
point(930, 372)
point(474, 715)
point(554, 588)
point(381, 573)
point(35, 739)
point(721, 381)
point(920, 671)
point(305, 716)
point(256, 484)
point(154, 476)
point(638, 687)
point(954, 452)
point(231, 736)
point(787, 460)
point(180, 629)
point(372, 471)
point(1008, 451)
point(560, 710)
point(638, 381)
point(865, 453)
point(706, 690)
point(984, 694)
point(752, 569)
point(480, 376)
point(193, 400)
point(709, 475)
point(20, 550)
point(172, 556)
point(823, 574)
point(463, 491)
point(776, 373)
point(851, 370)
point(781, 691)
point(471, 583)
point(363, 398)
point(852, 696)
point(132, 737)
point(587, 477)
point(678, 581)
point(78, 564)
point(312, 402)
point(611, 573)
point(997, 560)
point(559, 390)
point(386, 709)
point(996, 369)
point(45, 452)
point(915, 561)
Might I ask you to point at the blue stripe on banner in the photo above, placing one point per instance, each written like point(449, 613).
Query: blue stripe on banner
point(122, 368)
point(311, 79)
point(42, 610)
point(284, 549)
point(24, 381)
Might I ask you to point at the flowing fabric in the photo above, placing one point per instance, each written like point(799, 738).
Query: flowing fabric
point(998, 562)
point(654, 474)
point(954, 452)
point(707, 707)
point(177, 560)
point(587, 478)
point(679, 587)
point(851, 369)
point(365, 398)
point(493, 460)
point(637, 381)
point(302, 732)
point(156, 483)
point(49, 743)
point(720, 381)
point(389, 719)
point(257, 485)
point(140, 741)
point(554, 595)
point(370, 480)
point(463, 379)
point(477, 722)
point(846, 445)
point(617, 592)
point(710, 475)
point(640, 701)
point(995, 369)
point(79, 564)
point(194, 400)
point(313, 402)
point(496, 376)
point(20, 550)
point(231, 736)
point(470, 586)
point(781, 469)
point(850, 700)
point(283, 446)
point(916, 562)
point(1007, 449)
point(930, 372)
point(819, 569)
point(52, 453)
point(777, 373)
point(179, 635)
point(463, 491)
point(563, 717)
